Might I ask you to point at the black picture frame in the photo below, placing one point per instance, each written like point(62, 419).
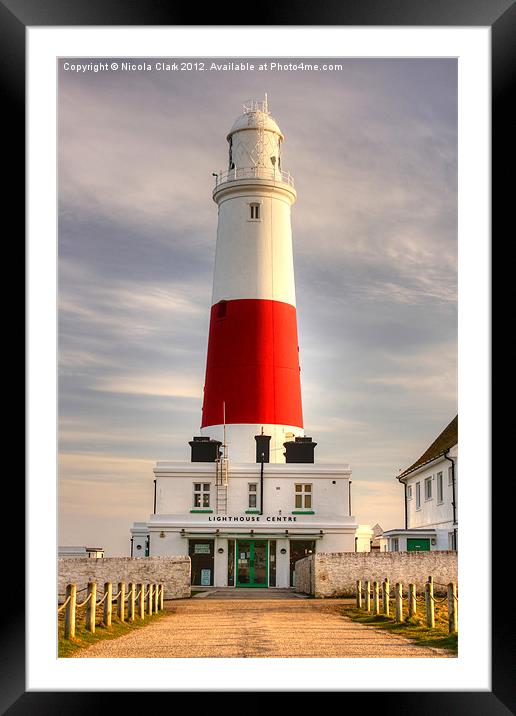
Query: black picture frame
point(500, 16)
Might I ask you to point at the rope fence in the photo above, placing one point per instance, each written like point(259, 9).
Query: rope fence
point(365, 590)
point(439, 601)
point(141, 601)
point(60, 609)
point(102, 600)
point(82, 604)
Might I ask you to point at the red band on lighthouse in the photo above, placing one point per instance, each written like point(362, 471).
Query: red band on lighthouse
point(253, 364)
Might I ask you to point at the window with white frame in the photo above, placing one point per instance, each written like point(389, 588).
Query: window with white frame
point(450, 476)
point(303, 497)
point(395, 544)
point(253, 491)
point(439, 479)
point(201, 494)
point(428, 488)
point(418, 495)
point(409, 492)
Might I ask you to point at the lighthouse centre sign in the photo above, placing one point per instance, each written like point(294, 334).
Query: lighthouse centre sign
point(251, 518)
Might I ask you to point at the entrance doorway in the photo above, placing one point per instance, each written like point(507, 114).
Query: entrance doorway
point(202, 557)
point(252, 563)
point(298, 550)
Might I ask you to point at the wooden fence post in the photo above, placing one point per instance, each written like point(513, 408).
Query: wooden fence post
point(429, 603)
point(69, 616)
point(452, 608)
point(386, 595)
point(359, 594)
point(131, 601)
point(156, 598)
point(149, 601)
point(91, 607)
point(108, 603)
point(412, 600)
point(376, 598)
point(120, 605)
point(368, 596)
point(399, 601)
point(161, 596)
point(141, 600)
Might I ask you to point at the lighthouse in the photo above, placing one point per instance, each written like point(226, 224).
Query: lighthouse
point(251, 501)
point(252, 383)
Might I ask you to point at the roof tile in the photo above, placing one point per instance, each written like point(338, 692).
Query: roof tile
point(447, 439)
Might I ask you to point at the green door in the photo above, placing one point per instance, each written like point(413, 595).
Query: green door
point(252, 563)
point(418, 545)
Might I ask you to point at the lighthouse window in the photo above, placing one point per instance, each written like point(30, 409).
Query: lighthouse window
point(255, 212)
point(222, 308)
point(201, 494)
point(231, 162)
point(252, 495)
point(303, 497)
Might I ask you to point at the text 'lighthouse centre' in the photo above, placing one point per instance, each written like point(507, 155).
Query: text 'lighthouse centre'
point(252, 500)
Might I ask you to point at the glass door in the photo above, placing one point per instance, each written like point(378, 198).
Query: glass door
point(243, 563)
point(251, 563)
point(259, 564)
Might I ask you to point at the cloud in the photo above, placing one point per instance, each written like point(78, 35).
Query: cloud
point(374, 501)
point(432, 376)
point(70, 358)
point(103, 170)
point(125, 487)
point(131, 309)
point(171, 386)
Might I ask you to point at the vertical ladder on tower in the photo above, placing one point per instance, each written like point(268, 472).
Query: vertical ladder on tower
point(221, 486)
point(221, 480)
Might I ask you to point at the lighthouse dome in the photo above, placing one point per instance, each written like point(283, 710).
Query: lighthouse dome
point(255, 116)
point(255, 141)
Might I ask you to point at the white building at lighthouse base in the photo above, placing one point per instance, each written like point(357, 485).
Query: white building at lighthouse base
point(214, 514)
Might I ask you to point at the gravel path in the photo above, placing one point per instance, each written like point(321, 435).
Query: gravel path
point(257, 628)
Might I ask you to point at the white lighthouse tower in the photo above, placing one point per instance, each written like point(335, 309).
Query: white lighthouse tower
point(252, 371)
point(252, 501)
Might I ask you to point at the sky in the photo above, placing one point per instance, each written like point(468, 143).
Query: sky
point(372, 148)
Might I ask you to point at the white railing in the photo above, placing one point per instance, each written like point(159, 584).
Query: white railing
point(253, 173)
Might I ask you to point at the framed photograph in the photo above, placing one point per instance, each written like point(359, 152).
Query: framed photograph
point(119, 139)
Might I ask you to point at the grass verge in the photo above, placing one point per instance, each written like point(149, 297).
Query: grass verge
point(84, 639)
point(414, 629)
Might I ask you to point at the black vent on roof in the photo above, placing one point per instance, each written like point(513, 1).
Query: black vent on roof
point(205, 449)
point(262, 446)
point(299, 450)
